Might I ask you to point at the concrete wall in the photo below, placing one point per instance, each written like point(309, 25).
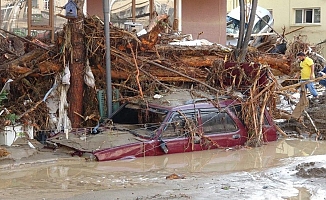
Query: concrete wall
point(284, 14)
point(207, 16)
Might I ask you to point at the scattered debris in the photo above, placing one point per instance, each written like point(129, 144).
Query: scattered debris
point(3, 152)
point(175, 176)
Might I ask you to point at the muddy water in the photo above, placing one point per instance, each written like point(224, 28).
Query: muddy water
point(67, 178)
point(220, 160)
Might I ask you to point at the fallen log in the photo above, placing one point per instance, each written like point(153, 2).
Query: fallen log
point(277, 62)
point(204, 56)
point(22, 60)
point(183, 75)
point(43, 68)
point(199, 61)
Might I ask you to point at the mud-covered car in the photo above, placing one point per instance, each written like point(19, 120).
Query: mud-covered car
point(171, 124)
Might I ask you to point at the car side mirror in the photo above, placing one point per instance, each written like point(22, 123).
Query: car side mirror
point(163, 146)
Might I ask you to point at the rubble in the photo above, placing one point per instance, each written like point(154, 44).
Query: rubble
point(141, 66)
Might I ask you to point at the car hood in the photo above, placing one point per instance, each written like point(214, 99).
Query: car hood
point(90, 143)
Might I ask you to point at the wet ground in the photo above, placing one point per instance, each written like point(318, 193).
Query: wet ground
point(305, 126)
point(292, 169)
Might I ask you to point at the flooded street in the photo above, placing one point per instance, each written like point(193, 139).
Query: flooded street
point(267, 172)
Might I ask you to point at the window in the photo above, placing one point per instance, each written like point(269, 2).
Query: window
point(46, 4)
point(261, 24)
point(180, 125)
point(237, 110)
point(34, 4)
point(307, 16)
point(143, 121)
point(217, 122)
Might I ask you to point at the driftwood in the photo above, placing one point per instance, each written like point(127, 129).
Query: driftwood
point(3, 152)
point(22, 60)
point(44, 67)
point(26, 40)
point(142, 66)
point(297, 85)
point(156, 26)
point(277, 62)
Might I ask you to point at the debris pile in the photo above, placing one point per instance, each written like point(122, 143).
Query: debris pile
point(142, 65)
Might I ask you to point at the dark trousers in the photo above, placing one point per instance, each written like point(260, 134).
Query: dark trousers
point(323, 82)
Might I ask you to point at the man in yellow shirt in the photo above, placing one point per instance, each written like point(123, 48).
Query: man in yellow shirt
point(307, 72)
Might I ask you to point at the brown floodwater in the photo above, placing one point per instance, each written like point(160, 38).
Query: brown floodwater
point(68, 177)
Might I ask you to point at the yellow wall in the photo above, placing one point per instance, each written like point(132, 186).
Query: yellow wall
point(231, 4)
point(284, 15)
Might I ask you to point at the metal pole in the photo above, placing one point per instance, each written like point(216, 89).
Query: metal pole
point(106, 10)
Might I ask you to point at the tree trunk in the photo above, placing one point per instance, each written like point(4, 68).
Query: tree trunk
point(241, 28)
point(244, 46)
point(77, 63)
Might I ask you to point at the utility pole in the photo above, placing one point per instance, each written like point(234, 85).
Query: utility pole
point(106, 10)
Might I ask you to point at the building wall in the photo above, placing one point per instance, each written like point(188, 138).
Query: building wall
point(284, 15)
point(231, 4)
point(207, 16)
point(95, 7)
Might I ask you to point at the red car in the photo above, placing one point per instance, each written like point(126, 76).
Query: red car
point(169, 125)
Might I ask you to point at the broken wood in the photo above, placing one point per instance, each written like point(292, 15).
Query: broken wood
point(302, 83)
point(4, 152)
point(22, 60)
point(277, 62)
point(313, 124)
point(149, 40)
point(26, 40)
point(281, 131)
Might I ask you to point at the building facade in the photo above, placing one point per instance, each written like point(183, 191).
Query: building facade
point(297, 18)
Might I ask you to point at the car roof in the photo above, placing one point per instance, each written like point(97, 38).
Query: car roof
point(188, 99)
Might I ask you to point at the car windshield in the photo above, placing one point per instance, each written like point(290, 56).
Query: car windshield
point(232, 25)
point(141, 121)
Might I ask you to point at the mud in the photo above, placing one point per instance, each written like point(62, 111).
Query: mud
point(267, 172)
point(304, 128)
point(307, 170)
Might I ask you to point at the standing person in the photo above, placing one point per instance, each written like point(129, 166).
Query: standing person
point(307, 72)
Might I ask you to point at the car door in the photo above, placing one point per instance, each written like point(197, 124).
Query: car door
point(175, 136)
point(268, 129)
point(220, 129)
